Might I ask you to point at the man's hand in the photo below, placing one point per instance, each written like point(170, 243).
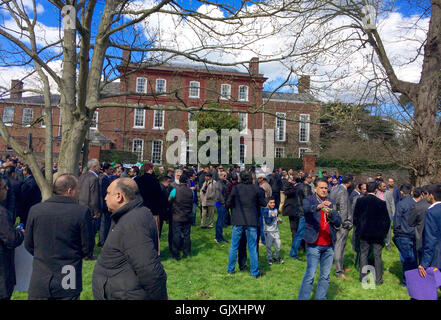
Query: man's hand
point(422, 271)
point(96, 215)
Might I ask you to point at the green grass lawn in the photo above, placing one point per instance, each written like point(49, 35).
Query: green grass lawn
point(204, 275)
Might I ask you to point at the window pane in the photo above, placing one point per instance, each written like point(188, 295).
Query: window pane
point(158, 121)
point(139, 118)
point(94, 123)
point(304, 128)
point(194, 89)
point(141, 85)
point(156, 151)
point(243, 93)
point(138, 147)
point(28, 115)
point(243, 117)
point(8, 115)
point(225, 91)
point(160, 86)
point(280, 127)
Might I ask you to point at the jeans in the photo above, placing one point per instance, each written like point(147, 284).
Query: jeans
point(298, 237)
point(276, 196)
point(314, 255)
point(220, 222)
point(272, 238)
point(408, 255)
point(251, 233)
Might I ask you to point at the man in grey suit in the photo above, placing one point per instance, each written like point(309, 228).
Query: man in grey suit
point(90, 194)
point(340, 196)
point(390, 205)
point(417, 217)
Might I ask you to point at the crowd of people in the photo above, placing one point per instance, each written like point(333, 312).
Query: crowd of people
point(128, 206)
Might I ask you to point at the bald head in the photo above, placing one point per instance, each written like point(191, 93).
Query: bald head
point(66, 185)
point(120, 192)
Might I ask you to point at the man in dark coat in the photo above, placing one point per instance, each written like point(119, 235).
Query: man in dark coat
point(59, 236)
point(275, 182)
point(245, 200)
point(29, 195)
point(128, 267)
point(9, 240)
point(151, 193)
point(14, 190)
point(321, 224)
point(90, 195)
point(371, 222)
point(432, 231)
point(181, 198)
point(404, 234)
point(417, 217)
point(291, 205)
point(105, 214)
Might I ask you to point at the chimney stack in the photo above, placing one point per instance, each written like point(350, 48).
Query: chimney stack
point(254, 66)
point(126, 56)
point(304, 84)
point(16, 89)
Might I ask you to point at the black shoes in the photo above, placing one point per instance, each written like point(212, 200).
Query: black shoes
point(259, 275)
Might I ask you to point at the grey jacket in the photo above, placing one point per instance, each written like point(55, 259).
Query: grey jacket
point(390, 202)
point(208, 198)
point(341, 198)
point(89, 194)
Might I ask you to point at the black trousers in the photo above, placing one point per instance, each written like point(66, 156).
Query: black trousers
point(181, 238)
point(293, 224)
point(378, 263)
point(104, 228)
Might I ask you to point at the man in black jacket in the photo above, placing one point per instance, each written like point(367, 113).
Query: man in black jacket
point(9, 240)
point(128, 267)
point(245, 200)
point(181, 198)
point(59, 236)
point(404, 234)
point(417, 217)
point(105, 214)
point(29, 195)
point(372, 222)
point(275, 182)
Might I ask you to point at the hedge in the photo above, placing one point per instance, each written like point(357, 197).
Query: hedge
point(354, 165)
point(118, 156)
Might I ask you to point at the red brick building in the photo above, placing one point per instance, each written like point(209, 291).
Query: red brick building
point(192, 85)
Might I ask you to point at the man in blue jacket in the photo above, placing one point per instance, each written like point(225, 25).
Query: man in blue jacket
point(432, 231)
point(322, 222)
point(404, 234)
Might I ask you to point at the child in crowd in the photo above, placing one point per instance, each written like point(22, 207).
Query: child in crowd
point(271, 230)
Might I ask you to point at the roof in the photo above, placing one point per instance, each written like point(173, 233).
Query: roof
point(33, 100)
point(289, 97)
point(95, 137)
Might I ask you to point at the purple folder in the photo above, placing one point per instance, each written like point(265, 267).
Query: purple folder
point(420, 288)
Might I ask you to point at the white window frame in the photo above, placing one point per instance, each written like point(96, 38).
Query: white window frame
point(244, 130)
point(153, 149)
point(281, 114)
point(154, 119)
point(165, 86)
point(246, 92)
point(300, 151)
point(141, 154)
point(222, 95)
point(145, 85)
point(95, 115)
point(143, 119)
point(23, 117)
point(282, 153)
point(11, 121)
point(304, 124)
point(198, 88)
